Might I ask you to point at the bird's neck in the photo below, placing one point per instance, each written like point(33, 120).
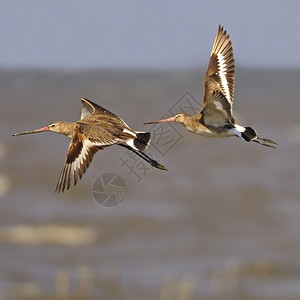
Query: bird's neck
point(190, 121)
point(66, 128)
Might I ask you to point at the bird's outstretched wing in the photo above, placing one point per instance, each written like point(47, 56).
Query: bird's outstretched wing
point(89, 108)
point(80, 154)
point(217, 112)
point(220, 72)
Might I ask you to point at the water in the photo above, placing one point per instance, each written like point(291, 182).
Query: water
point(222, 223)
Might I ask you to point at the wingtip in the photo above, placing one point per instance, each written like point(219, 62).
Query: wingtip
point(161, 167)
point(85, 100)
point(221, 29)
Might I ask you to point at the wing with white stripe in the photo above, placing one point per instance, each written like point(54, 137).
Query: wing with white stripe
point(80, 154)
point(89, 108)
point(220, 71)
point(217, 112)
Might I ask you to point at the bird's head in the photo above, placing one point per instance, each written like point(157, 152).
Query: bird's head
point(58, 126)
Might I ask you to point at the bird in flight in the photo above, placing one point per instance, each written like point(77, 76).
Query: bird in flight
point(215, 117)
point(97, 129)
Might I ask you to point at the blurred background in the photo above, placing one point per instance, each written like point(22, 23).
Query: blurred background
point(222, 223)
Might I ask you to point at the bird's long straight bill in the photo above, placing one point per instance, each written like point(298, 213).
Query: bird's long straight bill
point(161, 121)
point(42, 129)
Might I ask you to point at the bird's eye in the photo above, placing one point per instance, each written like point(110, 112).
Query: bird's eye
point(52, 125)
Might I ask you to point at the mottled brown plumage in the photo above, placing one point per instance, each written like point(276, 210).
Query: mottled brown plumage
point(97, 129)
point(215, 117)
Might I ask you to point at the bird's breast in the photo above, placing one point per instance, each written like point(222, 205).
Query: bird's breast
point(210, 131)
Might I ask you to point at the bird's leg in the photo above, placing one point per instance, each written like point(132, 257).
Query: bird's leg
point(265, 142)
point(148, 159)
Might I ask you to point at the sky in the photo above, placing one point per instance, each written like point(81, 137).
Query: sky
point(151, 34)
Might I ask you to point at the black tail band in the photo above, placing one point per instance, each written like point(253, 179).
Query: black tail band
point(249, 134)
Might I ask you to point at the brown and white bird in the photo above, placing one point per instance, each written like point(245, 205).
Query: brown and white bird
point(215, 117)
point(97, 129)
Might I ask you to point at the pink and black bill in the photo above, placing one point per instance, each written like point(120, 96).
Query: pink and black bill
point(42, 129)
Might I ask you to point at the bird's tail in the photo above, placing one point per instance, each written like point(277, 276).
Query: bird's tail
point(248, 134)
point(142, 140)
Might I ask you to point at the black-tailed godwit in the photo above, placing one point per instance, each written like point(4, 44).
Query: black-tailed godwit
point(97, 129)
point(215, 117)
